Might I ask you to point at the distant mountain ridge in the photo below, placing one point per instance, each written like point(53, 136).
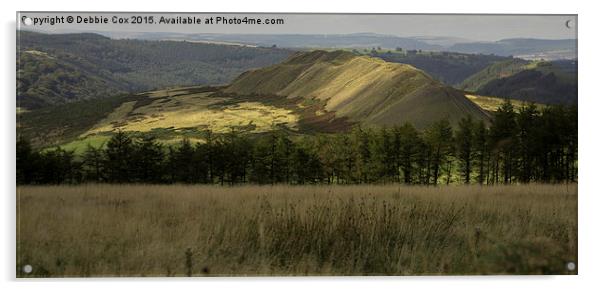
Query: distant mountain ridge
point(354, 40)
point(532, 48)
point(522, 47)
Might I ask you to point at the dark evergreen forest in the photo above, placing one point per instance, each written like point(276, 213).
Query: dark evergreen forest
point(518, 146)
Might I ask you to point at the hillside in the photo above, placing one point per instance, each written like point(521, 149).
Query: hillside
point(448, 67)
point(534, 81)
point(61, 68)
point(45, 79)
point(168, 115)
point(361, 88)
point(492, 72)
point(309, 93)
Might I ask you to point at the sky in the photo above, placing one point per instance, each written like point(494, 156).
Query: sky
point(469, 27)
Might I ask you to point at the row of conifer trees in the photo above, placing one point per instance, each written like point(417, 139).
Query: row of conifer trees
point(518, 146)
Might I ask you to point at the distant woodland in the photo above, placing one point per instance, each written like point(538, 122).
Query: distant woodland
point(519, 146)
point(55, 69)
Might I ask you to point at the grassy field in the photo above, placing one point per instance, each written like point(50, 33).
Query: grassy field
point(144, 230)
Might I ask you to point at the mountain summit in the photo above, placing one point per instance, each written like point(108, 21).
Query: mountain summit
point(361, 88)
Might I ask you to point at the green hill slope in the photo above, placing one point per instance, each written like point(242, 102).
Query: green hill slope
point(448, 67)
point(45, 79)
point(61, 68)
point(545, 82)
point(364, 89)
point(168, 115)
point(492, 72)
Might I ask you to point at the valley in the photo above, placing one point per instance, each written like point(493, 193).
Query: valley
point(311, 92)
point(66, 100)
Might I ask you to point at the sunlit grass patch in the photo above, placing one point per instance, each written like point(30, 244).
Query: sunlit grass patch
point(493, 103)
point(196, 110)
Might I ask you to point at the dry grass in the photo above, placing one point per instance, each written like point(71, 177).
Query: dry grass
point(144, 230)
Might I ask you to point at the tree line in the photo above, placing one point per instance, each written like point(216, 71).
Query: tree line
point(518, 146)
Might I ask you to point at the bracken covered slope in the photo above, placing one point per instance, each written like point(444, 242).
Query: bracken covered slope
point(364, 89)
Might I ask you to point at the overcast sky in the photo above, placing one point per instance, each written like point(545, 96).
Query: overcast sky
point(470, 27)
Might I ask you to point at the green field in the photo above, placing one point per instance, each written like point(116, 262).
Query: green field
point(174, 230)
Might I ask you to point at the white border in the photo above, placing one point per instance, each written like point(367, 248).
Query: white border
point(590, 103)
